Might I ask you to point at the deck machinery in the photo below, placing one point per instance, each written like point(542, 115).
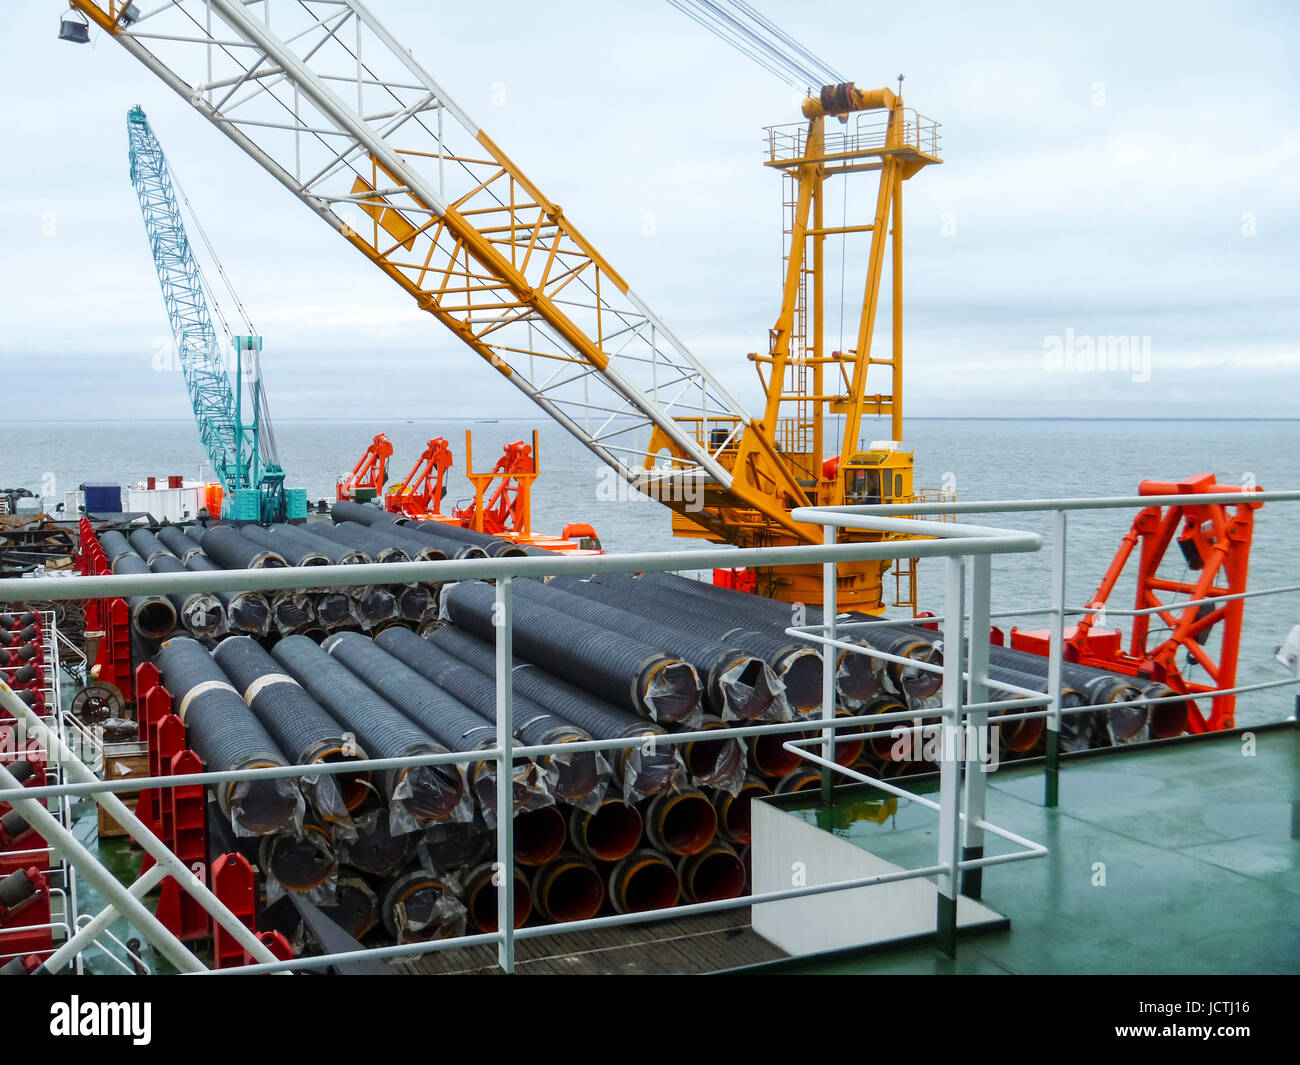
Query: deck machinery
point(365, 137)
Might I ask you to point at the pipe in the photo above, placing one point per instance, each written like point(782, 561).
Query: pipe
point(456, 844)
point(568, 888)
point(224, 732)
point(1167, 720)
point(644, 880)
point(481, 897)
point(247, 612)
point(360, 538)
point(714, 873)
point(443, 717)
point(799, 780)
point(576, 776)
point(375, 849)
point(417, 907)
point(644, 768)
point(301, 861)
point(628, 673)
point(769, 756)
point(736, 683)
point(174, 539)
point(714, 763)
point(429, 793)
point(273, 539)
point(383, 524)
point(680, 822)
point(540, 835)
point(734, 810)
point(857, 677)
point(610, 833)
point(298, 724)
point(152, 616)
point(796, 664)
point(356, 906)
point(229, 550)
point(202, 613)
point(292, 611)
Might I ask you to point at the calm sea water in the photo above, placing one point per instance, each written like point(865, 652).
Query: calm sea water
point(985, 460)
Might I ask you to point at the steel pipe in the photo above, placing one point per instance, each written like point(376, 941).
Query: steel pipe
point(568, 888)
point(225, 733)
point(608, 834)
point(644, 880)
point(298, 724)
point(680, 822)
point(627, 672)
point(429, 793)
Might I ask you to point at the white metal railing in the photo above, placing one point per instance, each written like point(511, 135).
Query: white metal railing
point(965, 705)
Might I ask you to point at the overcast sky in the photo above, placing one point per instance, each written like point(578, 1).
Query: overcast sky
point(1109, 168)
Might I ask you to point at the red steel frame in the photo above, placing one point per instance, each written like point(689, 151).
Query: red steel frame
point(1216, 539)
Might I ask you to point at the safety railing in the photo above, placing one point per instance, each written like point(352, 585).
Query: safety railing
point(1057, 610)
point(966, 705)
point(866, 132)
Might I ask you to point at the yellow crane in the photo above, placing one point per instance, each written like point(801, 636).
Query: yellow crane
point(331, 104)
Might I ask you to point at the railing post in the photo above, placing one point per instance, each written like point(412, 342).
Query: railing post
point(977, 657)
point(502, 618)
point(829, 610)
point(954, 609)
point(1056, 652)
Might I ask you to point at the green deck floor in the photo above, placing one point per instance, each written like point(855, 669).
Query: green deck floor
point(1200, 844)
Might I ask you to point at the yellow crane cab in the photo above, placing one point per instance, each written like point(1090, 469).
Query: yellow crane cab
point(881, 474)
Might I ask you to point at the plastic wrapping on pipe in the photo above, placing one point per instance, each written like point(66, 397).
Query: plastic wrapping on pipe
point(373, 847)
point(444, 717)
point(578, 779)
point(627, 672)
point(246, 612)
point(797, 665)
point(715, 763)
point(298, 724)
point(292, 612)
point(202, 613)
point(303, 862)
point(416, 796)
point(225, 733)
point(645, 768)
point(857, 677)
point(417, 907)
point(737, 685)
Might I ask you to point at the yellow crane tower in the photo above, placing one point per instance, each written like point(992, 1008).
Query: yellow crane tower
point(331, 104)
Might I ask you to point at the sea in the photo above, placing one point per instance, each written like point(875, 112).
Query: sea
point(981, 459)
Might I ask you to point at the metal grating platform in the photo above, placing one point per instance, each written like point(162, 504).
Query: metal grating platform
point(689, 945)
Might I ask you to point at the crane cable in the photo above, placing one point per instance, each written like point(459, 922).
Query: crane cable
point(747, 30)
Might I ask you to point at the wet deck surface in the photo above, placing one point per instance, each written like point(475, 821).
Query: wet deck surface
point(1199, 844)
point(687, 945)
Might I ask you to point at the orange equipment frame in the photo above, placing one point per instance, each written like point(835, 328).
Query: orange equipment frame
point(370, 473)
point(1215, 539)
point(420, 494)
